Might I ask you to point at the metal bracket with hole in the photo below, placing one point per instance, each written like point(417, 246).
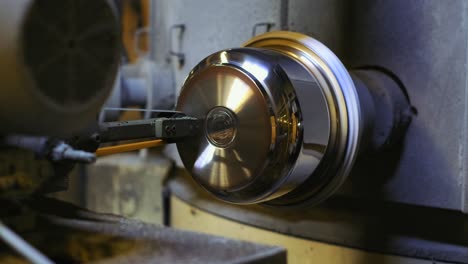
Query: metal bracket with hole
point(180, 29)
point(266, 25)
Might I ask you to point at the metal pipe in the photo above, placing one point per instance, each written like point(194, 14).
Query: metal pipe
point(22, 247)
point(54, 150)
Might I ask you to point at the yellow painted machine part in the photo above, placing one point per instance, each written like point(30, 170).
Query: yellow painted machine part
point(105, 151)
point(184, 216)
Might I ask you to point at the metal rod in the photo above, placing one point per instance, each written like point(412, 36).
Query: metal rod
point(138, 110)
point(22, 247)
point(104, 151)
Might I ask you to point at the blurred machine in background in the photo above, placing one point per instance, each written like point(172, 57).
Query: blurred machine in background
point(335, 129)
point(61, 81)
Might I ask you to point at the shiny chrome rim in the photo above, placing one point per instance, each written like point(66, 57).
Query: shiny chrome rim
point(343, 104)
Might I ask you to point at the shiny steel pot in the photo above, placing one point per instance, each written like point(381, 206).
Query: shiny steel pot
point(283, 121)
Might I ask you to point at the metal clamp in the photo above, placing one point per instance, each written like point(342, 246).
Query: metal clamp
point(267, 25)
point(179, 54)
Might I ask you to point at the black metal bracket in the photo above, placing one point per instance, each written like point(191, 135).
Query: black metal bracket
point(166, 127)
point(180, 28)
point(267, 25)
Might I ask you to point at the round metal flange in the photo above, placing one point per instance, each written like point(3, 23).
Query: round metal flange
point(344, 109)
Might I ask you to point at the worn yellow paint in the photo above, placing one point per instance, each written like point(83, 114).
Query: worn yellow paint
point(184, 216)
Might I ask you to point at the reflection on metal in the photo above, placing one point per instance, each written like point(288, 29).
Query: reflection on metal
point(205, 157)
point(221, 126)
point(284, 121)
point(336, 119)
point(234, 97)
point(238, 95)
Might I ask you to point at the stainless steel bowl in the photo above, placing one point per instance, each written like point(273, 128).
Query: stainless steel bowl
point(282, 121)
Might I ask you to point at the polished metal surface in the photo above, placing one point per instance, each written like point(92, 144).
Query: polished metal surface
point(250, 135)
point(282, 121)
point(345, 116)
point(221, 126)
point(224, 94)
